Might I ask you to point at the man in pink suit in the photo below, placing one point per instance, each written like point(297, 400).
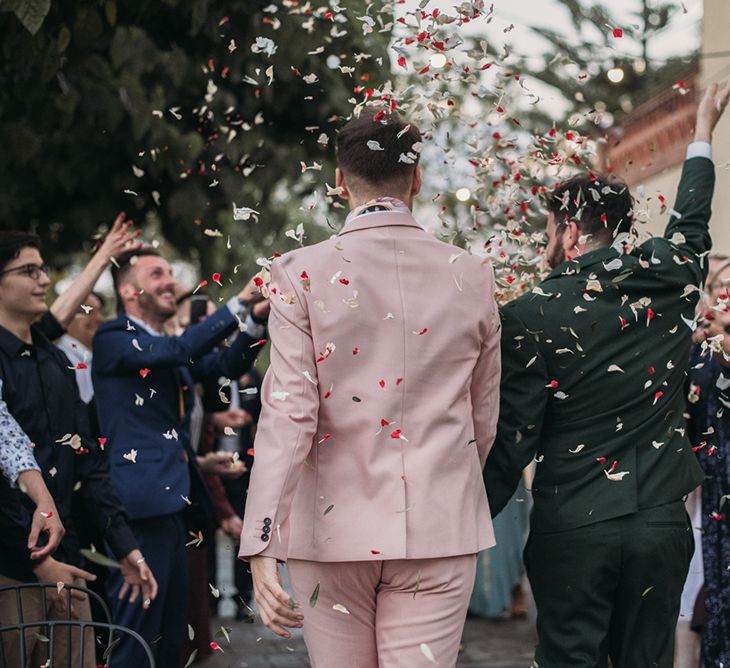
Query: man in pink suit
point(379, 410)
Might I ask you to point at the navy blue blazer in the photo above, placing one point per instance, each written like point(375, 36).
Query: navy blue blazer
point(143, 386)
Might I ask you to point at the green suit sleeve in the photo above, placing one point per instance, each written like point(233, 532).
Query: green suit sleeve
point(692, 209)
point(523, 401)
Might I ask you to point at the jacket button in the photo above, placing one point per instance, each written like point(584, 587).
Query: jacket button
point(265, 537)
point(267, 529)
point(267, 521)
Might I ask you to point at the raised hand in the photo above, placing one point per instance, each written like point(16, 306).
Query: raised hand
point(710, 110)
point(119, 238)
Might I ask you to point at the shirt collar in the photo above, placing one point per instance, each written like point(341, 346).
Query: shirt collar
point(145, 326)
point(378, 205)
point(72, 344)
point(14, 347)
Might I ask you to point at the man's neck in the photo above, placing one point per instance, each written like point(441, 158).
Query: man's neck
point(17, 325)
point(358, 200)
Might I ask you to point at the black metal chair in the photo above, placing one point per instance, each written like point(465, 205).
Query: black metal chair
point(48, 629)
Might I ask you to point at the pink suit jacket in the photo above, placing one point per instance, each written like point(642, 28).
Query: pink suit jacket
point(381, 402)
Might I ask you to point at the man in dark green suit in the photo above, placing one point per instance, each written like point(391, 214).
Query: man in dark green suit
point(593, 370)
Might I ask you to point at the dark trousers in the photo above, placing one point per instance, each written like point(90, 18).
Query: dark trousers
point(162, 542)
point(610, 589)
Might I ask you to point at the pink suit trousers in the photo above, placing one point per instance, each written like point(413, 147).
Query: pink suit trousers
point(401, 613)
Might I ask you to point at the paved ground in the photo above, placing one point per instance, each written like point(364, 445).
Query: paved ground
point(488, 645)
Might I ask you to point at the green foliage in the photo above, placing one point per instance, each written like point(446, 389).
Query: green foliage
point(162, 109)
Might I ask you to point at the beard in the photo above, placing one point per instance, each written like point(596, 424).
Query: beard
point(151, 303)
point(556, 257)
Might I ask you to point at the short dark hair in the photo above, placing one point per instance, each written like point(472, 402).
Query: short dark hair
point(124, 264)
point(98, 296)
point(391, 161)
point(14, 241)
point(602, 207)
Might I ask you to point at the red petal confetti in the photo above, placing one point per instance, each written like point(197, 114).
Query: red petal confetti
point(423, 331)
point(553, 384)
point(384, 422)
point(395, 434)
point(649, 316)
point(355, 351)
point(402, 61)
point(374, 551)
point(618, 33)
point(216, 278)
point(250, 452)
point(102, 441)
point(260, 342)
point(258, 281)
point(144, 372)
point(398, 381)
point(381, 382)
point(344, 281)
point(81, 365)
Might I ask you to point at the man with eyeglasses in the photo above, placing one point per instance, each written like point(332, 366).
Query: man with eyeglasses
point(41, 394)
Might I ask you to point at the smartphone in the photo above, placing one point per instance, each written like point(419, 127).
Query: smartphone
point(198, 308)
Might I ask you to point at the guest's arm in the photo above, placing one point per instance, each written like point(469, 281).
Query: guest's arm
point(19, 466)
point(523, 402)
point(688, 222)
point(66, 305)
point(127, 350)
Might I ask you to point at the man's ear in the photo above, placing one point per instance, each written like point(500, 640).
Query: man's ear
point(571, 237)
point(416, 183)
point(341, 183)
point(127, 292)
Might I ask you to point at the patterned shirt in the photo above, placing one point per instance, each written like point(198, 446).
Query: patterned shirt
point(16, 453)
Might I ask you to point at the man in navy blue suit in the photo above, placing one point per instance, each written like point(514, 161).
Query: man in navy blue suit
point(143, 381)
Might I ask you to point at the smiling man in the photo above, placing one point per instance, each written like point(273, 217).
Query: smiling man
point(143, 383)
point(42, 396)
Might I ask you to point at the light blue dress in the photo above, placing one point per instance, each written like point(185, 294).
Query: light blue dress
point(500, 569)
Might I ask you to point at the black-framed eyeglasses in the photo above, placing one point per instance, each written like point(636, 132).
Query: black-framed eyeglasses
point(33, 271)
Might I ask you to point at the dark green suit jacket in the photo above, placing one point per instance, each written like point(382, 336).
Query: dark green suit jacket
point(594, 363)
